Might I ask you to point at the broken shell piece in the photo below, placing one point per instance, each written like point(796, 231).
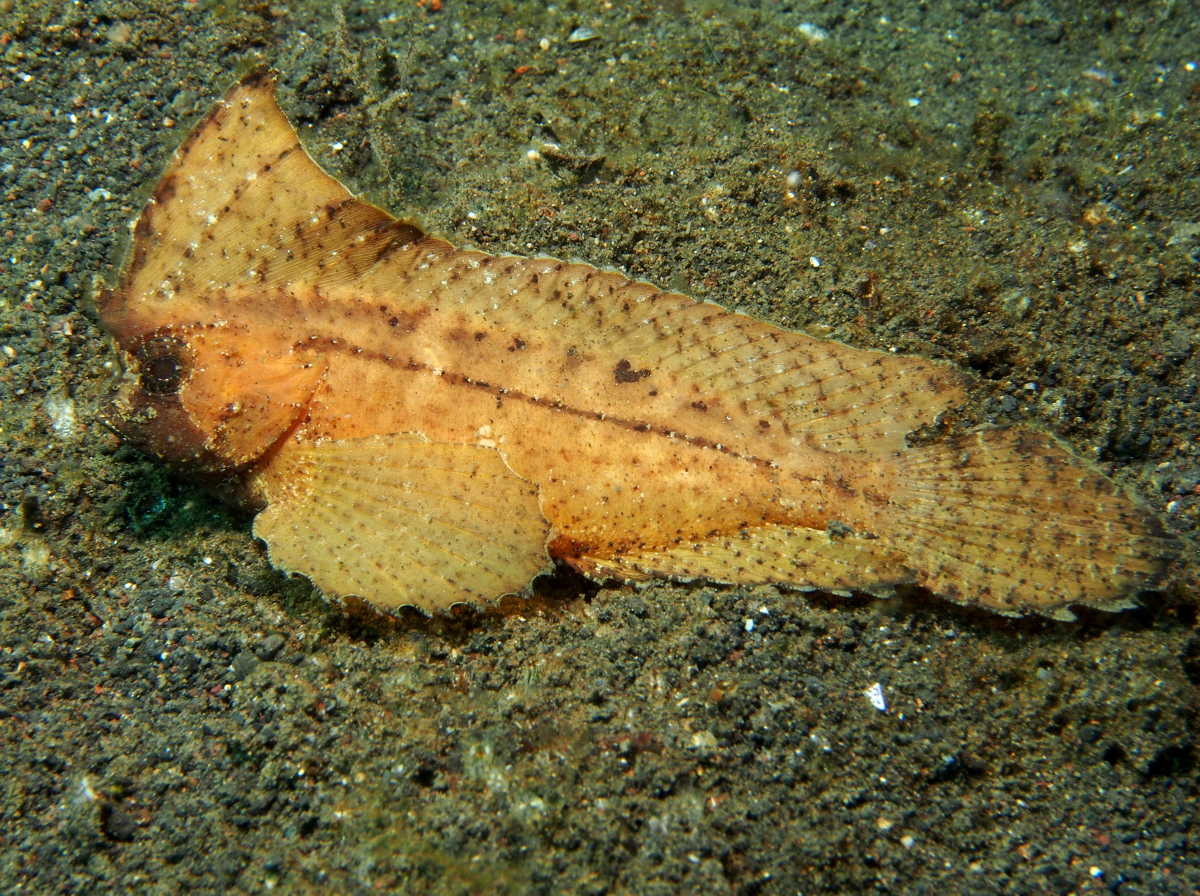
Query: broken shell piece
point(875, 694)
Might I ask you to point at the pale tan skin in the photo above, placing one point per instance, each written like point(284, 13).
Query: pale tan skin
point(424, 425)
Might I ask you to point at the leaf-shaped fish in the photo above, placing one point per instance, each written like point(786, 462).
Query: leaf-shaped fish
point(423, 425)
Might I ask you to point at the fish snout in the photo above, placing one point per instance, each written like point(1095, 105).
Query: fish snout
point(159, 425)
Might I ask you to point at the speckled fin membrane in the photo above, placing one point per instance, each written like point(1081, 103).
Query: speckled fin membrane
point(802, 558)
point(1005, 518)
point(403, 522)
point(841, 398)
point(243, 203)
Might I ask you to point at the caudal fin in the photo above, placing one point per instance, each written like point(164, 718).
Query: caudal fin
point(1009, 520)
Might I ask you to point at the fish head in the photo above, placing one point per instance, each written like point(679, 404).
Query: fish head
point(241, 220)
point(146, 406)
point(211, 399)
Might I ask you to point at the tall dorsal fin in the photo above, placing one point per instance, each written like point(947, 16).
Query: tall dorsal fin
point(243, 203)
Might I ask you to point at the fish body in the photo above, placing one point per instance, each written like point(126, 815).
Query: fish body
point(419, 424)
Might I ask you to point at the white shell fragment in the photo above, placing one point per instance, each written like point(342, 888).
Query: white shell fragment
point(814, 34)
point(875, 694)
point(60, 408)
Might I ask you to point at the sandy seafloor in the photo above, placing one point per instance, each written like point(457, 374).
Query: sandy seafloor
point(1013, 186)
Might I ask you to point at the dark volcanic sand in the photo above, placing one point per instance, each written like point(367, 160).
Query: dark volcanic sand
point(1012, 186)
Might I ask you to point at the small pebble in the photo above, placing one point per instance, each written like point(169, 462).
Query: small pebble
point(269, 647)
point(161, 606)
point(119, 825)
point(243, 664)
point(1089, 734)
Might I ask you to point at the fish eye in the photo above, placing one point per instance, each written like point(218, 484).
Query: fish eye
point(162, 362)
point(162, 374)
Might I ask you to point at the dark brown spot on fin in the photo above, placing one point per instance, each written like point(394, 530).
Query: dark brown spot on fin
point(624, 373)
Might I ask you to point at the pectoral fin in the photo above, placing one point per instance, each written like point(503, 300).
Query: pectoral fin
point(401, 521)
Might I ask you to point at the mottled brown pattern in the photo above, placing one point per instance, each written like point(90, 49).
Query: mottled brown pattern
point(424, 425)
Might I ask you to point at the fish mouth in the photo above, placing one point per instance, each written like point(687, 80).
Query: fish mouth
point(105, 416)
point(158, 425)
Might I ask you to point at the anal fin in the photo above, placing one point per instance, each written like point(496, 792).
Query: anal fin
point(400, 521)
point(796, 557)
